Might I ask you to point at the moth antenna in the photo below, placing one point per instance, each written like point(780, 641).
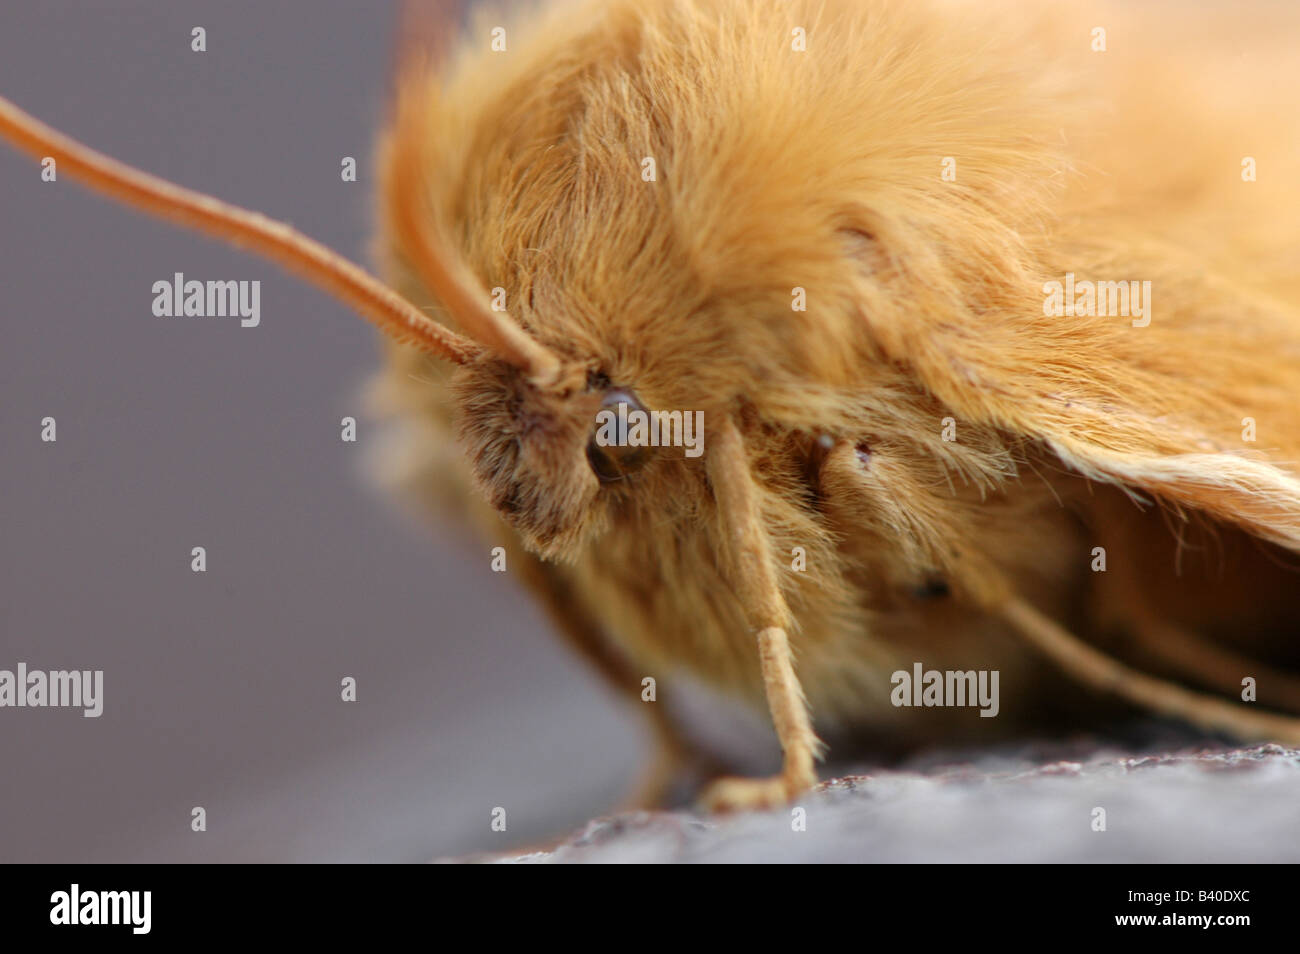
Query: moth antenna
point(416, 227)
point(1105, 674)
point(267, 237)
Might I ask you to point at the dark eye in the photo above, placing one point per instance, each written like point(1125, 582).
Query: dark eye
point(617, 446)
point(933, 587)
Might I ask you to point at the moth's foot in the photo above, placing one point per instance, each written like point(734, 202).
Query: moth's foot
point(674, 773)
point(756, 794)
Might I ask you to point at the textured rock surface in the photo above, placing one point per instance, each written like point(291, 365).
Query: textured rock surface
point(1194, 805)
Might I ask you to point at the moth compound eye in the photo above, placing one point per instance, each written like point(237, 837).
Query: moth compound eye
point(933, 587)
point(617, 447)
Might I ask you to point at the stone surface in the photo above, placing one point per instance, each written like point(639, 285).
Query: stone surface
point(1196, 804)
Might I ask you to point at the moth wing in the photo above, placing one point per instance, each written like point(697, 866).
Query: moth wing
point(1195, 402)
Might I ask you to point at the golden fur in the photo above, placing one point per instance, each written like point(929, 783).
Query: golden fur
point(821, 170)
point(929, 463)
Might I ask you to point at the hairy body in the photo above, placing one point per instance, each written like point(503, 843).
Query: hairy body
point(942, 447)
point(821, 170)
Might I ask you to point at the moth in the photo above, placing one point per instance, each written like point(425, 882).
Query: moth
point(991, 318)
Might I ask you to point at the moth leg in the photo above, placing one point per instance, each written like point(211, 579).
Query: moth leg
point(756, 586)
point(1105, 674)
point(675, 755)
point(675, 758)
point(1217, 667)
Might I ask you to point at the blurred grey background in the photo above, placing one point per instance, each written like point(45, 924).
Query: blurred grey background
point(222, 688)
